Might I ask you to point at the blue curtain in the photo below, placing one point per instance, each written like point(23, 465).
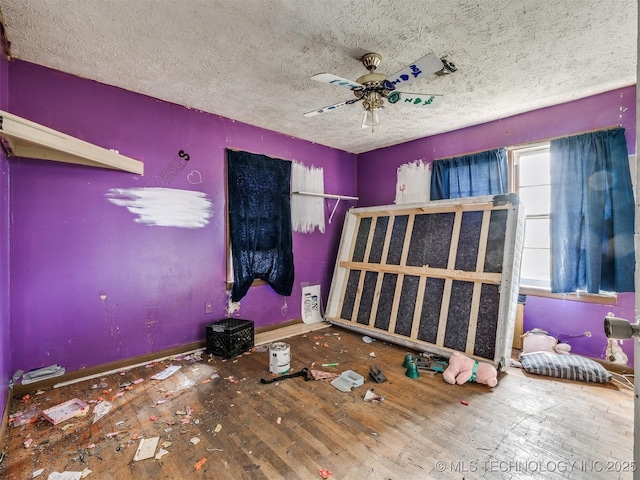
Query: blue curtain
point(592, 214)
point(482, 173)
point(260, 222)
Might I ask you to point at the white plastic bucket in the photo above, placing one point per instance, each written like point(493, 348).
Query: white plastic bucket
point(279, 357)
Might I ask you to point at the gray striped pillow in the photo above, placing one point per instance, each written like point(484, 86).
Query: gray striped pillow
point(572, 367)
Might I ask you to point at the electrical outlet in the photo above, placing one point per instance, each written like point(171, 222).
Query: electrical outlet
point(208, 307)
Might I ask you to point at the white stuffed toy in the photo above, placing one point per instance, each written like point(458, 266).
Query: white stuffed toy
point(538, 340)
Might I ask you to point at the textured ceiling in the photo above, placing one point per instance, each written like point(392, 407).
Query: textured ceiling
point(251, 60)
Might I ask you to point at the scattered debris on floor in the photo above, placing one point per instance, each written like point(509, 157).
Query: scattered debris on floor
point(65, 476)
point(101, 409)
point(161, 453)
point(324, 473)
point(377, 374)
point(322, 375)
point(146, 448)
point(372, 397)
point(42, 374)
point(200, 463)
point(15, 378)
point(348, 380)
point(167, 372)
point(23, 417)
point(69, 409)
point(106, 399)
point(153, 436)
point(305, 373)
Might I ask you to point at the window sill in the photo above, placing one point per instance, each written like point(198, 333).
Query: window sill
point(603, 299)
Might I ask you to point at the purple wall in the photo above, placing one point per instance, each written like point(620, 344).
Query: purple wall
point(5, 355)
point(71, 247)
point(377, 183)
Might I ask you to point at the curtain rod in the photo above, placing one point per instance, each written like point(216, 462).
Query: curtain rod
point(521, 145)
point(545, 140)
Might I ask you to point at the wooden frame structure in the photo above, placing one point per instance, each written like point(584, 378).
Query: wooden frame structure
point(437, 277)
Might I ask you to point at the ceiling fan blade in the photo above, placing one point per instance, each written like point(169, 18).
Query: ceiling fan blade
point(425, 100)
point(330, 108)
point(335, 80)
point(423, 67)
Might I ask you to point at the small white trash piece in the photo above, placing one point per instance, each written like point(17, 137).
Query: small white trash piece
point(347, 380)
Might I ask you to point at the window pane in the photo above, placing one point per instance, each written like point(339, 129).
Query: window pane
point(535, 194)
point(537, 233)
point(536, 200)
point(536, 265)
point(534, 168)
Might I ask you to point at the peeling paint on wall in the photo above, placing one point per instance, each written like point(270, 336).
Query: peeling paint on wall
point(615, 354)
point(164, 207)
point(111, 319)
point(152, 320)
point(414, 183)
point(232, 307)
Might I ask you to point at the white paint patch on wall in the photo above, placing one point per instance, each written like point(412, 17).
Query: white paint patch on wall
point(414, 183)
point(164, 207)
point(307, 212)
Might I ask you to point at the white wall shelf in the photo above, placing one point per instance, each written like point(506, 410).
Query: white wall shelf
point(23, 138)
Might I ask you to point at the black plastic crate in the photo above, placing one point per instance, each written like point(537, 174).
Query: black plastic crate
point(229, 337)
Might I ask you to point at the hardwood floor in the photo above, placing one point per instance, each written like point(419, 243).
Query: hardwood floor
point(526, 427)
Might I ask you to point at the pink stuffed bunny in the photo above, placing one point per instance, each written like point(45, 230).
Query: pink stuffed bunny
point(462, 369)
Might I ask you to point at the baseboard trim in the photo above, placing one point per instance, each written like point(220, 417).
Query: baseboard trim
point(262, 336)
point(616, 367)
point(5, 422)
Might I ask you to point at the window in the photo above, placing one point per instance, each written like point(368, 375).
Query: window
point(529, 178)
point(259, 222)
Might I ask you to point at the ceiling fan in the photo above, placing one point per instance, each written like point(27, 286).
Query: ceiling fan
point(373, 88)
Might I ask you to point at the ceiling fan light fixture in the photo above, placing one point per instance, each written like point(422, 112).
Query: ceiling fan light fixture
point(372, 100)
point(370, 119)
point(375, 89)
